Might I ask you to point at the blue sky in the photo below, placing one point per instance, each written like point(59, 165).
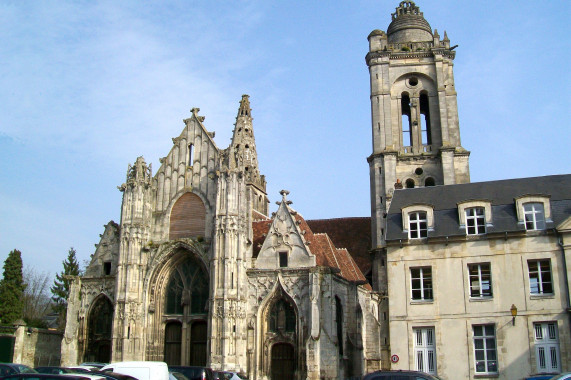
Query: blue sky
point(87, 86)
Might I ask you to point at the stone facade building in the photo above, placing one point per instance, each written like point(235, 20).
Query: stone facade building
point(463, 260)
point(198, 273)
point(416, 134)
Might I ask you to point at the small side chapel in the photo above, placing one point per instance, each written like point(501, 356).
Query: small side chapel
point(197, 273)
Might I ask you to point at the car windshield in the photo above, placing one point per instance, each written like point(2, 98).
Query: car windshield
point(24, 369)
point(179, 376)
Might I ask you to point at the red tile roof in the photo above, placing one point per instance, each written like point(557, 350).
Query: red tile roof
point(351, 233)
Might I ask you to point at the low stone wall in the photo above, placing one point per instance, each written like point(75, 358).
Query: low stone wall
point(37, 347)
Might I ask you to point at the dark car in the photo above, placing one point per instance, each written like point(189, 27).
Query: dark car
point(42, 376)
point(53, 370)
point(113, 375)
point(399, 375)
point(93, 364)
point(225, 375)
point(12, 368)
point(193, 372)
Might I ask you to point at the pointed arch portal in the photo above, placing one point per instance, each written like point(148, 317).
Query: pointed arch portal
point(185, 308)
point(99, 331)
point(280, 337)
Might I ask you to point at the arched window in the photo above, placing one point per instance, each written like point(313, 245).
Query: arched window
point(406, 122)
point(425, 120)
point(409, 183)
point(429, 182)
point(188, 217)
point(190, 155)
point(339, 322)
point(282, 317)
point(188, 285)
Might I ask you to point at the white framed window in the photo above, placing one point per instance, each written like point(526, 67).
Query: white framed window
point(540, 279)
point(547, 347)
point(417, 225)
point(417, 220)
point(485, 352)
point(424, 350)
point(533, 211)
point(475, 221)
point(534, 216)
point(480, 277)
point(475, 216)
point(421, 284)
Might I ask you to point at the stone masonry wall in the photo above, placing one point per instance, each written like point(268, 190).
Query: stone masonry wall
point(34, 347)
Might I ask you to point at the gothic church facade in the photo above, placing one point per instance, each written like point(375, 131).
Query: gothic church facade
point(198, 273)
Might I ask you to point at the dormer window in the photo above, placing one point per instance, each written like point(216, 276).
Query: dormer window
point(533, 211)
point(417, 221)
point(417, 225)
point(475, 216)
point(475, 221)
point(534, 216)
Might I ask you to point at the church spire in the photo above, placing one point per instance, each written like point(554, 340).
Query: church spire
point(243, 145)
point(245, 109)
point(242, 155)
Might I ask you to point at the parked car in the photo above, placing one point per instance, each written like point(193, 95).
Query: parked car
point(541, 376)
point(53, 370)
point(82, 369)
point(226, 375)
point(142, 370)
point(89, 376)
point(46, 376)
point(399, 375)
point(93, 365)
point(177, 376)
point(12, 368)
point(113, 375)
point(562, 376)
point(193, 372)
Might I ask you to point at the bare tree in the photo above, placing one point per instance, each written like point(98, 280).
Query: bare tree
point(37, 300)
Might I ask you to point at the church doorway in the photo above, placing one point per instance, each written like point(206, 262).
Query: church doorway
point(185, 309)
point(173, 340)
point(198, 340)
point(99, 331)
point(283, 362)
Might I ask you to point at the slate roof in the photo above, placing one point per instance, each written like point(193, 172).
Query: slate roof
point(444, 200)
point(321, 245)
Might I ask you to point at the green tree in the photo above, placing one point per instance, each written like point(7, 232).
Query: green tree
point(60, 289)
point(12, 288)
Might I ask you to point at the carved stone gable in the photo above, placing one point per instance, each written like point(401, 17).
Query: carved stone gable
point(284, 237)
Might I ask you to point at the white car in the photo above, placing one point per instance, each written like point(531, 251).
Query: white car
point(142, 370)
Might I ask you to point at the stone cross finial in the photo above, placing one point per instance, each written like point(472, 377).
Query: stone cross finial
point(284, 194)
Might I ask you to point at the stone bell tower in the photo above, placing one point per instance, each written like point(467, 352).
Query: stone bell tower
point(416, 135)
point(241, 198)
point(136, 212)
